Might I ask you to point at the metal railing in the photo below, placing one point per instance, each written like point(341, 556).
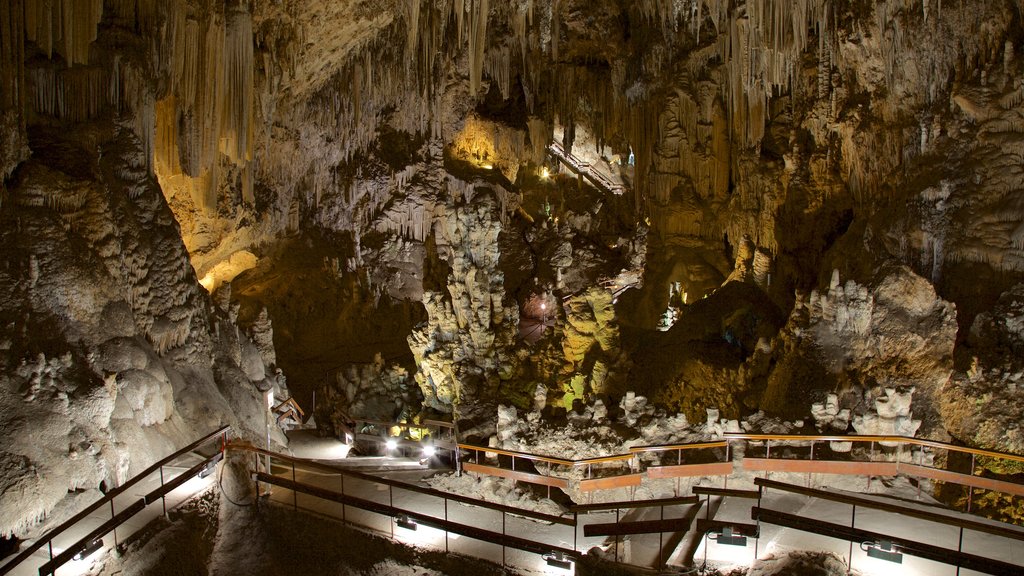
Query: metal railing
point(879, 456)
point(383, 505)
point(61, 557)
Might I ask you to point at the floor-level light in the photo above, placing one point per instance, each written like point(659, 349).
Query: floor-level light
point(883, 550)
point(391, 444)
point(404, 521)
point(208, 469)
point(558, 560)
point(429, 451)
point(90, 549)
point(728, 537)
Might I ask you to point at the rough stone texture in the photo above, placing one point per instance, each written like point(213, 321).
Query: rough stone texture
point(865, 342)
point(462, 349)
point(982, 404)
point(354, 167)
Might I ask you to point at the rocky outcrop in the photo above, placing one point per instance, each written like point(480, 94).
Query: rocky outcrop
point(982, 405)
point(463, 351)
point(873, 345)
point(113, 355)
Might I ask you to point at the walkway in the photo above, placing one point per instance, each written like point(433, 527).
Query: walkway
point(122, 512)
point(584, 170)
point(719, 525)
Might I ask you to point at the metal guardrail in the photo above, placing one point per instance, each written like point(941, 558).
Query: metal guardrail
point(899, 544)
point(908, 458)
point(287, 477)
point(58, 560)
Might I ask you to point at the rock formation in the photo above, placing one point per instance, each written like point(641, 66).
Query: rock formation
point(796, 207)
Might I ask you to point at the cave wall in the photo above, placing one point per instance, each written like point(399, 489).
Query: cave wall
point(850, 169)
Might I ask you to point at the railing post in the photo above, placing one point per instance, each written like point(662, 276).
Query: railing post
point(256, 470)
point(853, 520)
point(446, 524)
point(871, 458)
point(343, 494)
point(970, 489)
point(661, 541)
point(163, 497)
point(295, 493)
point(575, 528)
point(502, 538)
point(112, 517)
point(616, 536)
point(960, 548)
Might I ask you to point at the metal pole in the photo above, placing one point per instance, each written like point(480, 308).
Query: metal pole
point(757, 539)
point(112, 517)
point(575, 528)
point(959, 548)
point(853, 520)
point(871, 458)
point(970, 492)
point(661, 539)
point(295, 493)
point(502, 538)
point(343, 494)
point(616, 536)
point(446, 524)
point(163, 498)
point(391, 504)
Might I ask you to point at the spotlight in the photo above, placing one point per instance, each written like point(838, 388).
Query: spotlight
point(429, 451)
point(545, 173)
point(404, 521)
point(391, 444)
point(728, 537)
point(883, 550)
point(208, 469)
point(558, 560)
point(90, 549)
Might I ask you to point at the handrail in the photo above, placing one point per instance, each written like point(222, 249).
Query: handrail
point(892, 439)
point(997, 530)
point(107, 498)
point(632, 504)
point(523, 455)
point(669, 447)
point(401, 485)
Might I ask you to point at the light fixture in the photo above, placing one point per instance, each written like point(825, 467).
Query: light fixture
point(90, 549)
point(404, 521)
point(545, 173)
point(429, 451)
point(207, 469)
point(558, 560)
point(883, 550)
point(728, 537)
point(391, 444)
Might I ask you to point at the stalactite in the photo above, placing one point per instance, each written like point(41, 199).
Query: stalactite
point(63, 26)
point(477, 43)
point(236, 128)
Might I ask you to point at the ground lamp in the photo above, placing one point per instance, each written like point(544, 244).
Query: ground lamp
point(404, 521)
point(728, 537)
point(90, 549)
point(883, 550)
point(558, 560)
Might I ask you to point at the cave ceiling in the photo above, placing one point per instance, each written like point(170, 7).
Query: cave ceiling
point(807, 208)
